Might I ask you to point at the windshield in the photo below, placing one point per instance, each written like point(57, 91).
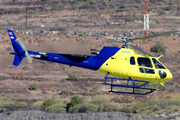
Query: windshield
point(146, 62)
point(157, 64)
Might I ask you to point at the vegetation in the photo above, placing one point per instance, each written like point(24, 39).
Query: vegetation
point(158, 48)
point(18, 10)
point(57, 7)
point(32, 12)
point(99, 103)
point(161, 12)
point(73, 3)
point(107, 12)
point(153, 106)
point(12, 24)
point(97, 100)
point(92, 90)
point(72, 77)
point(106, 1)
point(57, 108)
point(81, 34)
point(38, 105)
point(56, 25)
point(74, 101)
point(33, 86)
point(83, 108)
point(51, 101)
point(129, 19)
point(85, 6)
point(109, 106)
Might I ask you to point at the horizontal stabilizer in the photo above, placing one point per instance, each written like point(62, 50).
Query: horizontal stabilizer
point(17, 60)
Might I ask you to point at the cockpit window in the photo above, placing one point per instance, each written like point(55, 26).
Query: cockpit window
point(146, 62)
point(157, 64)
point(132, 61)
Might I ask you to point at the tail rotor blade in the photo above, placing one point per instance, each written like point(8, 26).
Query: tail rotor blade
point(28, 57)
point(19, 41)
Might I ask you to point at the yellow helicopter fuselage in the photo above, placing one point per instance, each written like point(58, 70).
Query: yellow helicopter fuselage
point(127, 63)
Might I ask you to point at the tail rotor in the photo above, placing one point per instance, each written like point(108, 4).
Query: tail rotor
point(19, 49)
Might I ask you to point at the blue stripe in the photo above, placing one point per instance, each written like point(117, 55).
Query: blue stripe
point(105, 54)
point(93, 62)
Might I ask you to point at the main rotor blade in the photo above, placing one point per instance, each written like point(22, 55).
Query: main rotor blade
point(156, 35)
point(116, 39)
point(140, 50)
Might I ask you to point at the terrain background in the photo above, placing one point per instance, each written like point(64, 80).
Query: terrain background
point(55, 26)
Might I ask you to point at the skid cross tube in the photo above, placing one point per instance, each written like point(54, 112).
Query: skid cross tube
point(128, 85)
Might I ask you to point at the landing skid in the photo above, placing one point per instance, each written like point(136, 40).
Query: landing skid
point(134, 86)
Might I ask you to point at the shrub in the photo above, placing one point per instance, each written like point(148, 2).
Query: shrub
point(32, 12)
point(60, 34)
point(54, 8)
point(106, 1)
point(56, 108)
point(109, 106)
point(56, 25)
point(107, 12)
point(18, 10)
point(14, 98)
point(51, 101)
point(14, 106)
point(92, 90)
point(129, 19)
point(72, 77)
point(140, 105)
point(81, 34)
point(3, 95)
point(11, 24)
point(100, 99)
point(73, 3)
point(1, 101)
point(49, 3)
point(74, 101)
point(161, 12)
point(19, 105)
point(158, 48)
point(85, 6)
point(38, 105)
point(57, 7)
point(169, 7)
point(92, 1)
point(83, 108)
point(33, 86)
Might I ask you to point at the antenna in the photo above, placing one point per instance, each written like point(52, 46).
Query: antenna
point(146, 19)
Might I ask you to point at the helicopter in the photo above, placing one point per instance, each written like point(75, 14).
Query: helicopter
point(120, 64)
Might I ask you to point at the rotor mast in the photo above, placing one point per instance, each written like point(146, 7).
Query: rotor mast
point(146, 18)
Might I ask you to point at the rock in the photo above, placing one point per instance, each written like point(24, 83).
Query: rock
point(30, 32)
point(37, 115)
point(9, 48)
point(112, 7)
point(42, 31)
point(56, 41)
point(26, 32)
point(2, 110)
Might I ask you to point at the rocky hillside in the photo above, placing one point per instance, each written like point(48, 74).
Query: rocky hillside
point(39, 115)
